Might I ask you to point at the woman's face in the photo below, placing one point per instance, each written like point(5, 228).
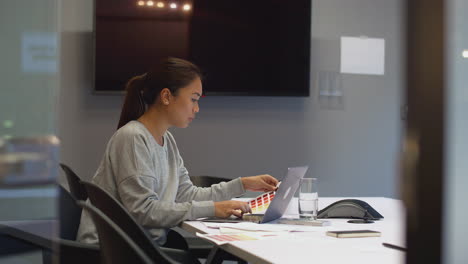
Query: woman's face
point(183, 107)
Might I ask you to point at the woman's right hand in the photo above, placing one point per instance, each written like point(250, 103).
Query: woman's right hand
point(225, 209)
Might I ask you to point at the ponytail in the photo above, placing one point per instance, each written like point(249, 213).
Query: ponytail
point(143, 90)
point(133, 106)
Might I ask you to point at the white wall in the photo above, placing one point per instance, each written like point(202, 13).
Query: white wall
point(352, 150)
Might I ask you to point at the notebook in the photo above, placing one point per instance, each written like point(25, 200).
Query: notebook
point(278, 201)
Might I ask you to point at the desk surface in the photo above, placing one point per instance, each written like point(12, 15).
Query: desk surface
point(316, 247)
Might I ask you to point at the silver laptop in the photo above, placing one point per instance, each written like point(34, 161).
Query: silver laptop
point(278, 205)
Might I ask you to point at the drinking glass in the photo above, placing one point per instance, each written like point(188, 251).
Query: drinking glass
point(308, 198)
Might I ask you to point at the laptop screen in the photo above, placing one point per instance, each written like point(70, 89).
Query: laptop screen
point(284, 194)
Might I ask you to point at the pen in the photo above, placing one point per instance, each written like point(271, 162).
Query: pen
point(394, 246)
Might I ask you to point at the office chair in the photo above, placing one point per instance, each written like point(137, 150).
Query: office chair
point(206, 181)
point(119, 215)
point(74, 182)
point(63, 247)
point(71, 251)
point(116, 246)
point(216, 255)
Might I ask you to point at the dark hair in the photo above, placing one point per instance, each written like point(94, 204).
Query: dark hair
point(143, 90)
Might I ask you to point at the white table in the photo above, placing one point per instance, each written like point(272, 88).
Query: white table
point(315, 247)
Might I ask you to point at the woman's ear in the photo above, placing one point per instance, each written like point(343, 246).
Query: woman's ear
point(165, 96)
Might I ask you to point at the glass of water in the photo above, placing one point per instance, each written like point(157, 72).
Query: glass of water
point(308, 198)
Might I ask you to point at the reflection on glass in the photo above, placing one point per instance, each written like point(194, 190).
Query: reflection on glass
point(28, 69)
point(465, 54)
point(39, 52)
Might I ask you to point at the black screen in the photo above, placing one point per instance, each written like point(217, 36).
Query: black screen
point(243, 47)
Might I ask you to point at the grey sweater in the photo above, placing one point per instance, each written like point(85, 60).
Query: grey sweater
point(152, 183)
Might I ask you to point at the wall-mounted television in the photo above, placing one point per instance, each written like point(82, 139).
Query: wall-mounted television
point(255, 48)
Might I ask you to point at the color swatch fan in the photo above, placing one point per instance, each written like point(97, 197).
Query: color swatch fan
point(260, 204)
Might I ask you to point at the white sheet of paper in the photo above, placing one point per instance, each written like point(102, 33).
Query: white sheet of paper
point(253, 227)
point(362, 55)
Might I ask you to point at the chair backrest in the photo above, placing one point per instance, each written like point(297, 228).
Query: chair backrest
point(119, 215)
point(69, 215)
point(206, 181)
point(74, 182)
point(116, 246)
point(71, 251)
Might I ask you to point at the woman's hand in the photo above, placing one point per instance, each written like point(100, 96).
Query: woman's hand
point(260, 183)
point(225, 209)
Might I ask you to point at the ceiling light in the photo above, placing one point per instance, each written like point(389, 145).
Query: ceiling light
point(187, 7)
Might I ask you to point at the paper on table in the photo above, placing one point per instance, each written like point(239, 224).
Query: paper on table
point(362, 55)
point(216, 225)
point(248, 226)
point(253, 227)
point(220, 239)
point(230, 230)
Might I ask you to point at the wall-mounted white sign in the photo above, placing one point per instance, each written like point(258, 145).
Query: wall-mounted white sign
point(362, 55)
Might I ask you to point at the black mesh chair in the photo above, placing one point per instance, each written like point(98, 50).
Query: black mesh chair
point(119, 215)
point(116, 246)
point(206, 181)
point(74, 182)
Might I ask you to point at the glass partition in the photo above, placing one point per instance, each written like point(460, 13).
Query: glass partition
point(28, 148)
point(456, 170)
point(348, 130)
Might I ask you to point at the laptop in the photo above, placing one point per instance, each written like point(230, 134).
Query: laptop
point(278, 204)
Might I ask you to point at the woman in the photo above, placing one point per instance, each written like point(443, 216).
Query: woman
point(142, 167)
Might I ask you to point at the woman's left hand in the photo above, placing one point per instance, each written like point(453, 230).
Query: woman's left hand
point(260, 183)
